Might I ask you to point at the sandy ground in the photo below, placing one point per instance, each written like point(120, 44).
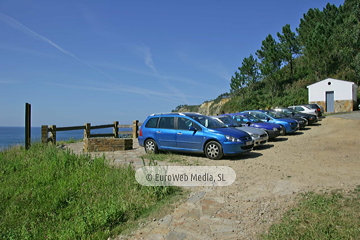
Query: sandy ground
point(320, 158)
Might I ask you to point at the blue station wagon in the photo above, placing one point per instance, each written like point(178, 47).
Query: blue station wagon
point(192, 132)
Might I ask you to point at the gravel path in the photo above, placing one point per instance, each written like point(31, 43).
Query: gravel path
point(320, 158)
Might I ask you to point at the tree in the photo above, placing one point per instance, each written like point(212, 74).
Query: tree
point(237, 84)
point(289, 47)
point(269, 54)
point(250, 71)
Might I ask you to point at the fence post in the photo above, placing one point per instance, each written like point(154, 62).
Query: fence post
point(44, 133)
point(27, 125)
point(53, 134)
point(116, 129)
point(87, 130)
point(135, 128)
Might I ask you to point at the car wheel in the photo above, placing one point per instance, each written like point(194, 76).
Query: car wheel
point(284, 129)
point(213, 150)
point(151, 146)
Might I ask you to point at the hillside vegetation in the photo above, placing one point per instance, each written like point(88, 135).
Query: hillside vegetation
point(326, 44)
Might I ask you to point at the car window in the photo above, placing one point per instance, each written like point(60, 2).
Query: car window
point(299, 108)
point(185, 124)
point(259, 115)
point(167, 122)
point(209, 122)
point(229, 121)
point(152, 122)
point(240, 119)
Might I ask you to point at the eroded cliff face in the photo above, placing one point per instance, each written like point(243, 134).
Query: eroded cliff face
point(207, 108)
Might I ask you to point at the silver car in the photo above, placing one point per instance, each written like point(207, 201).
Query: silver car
point(259, 136)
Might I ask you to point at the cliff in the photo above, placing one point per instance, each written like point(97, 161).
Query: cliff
point(207, 108)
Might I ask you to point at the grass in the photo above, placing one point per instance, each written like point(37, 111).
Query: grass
point(48, 193)
point(321, 216)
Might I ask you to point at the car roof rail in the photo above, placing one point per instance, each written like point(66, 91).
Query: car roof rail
point(166, 113)
point(173, 113)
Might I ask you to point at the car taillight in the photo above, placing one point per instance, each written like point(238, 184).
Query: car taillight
point(140, 132)
point(319, 109)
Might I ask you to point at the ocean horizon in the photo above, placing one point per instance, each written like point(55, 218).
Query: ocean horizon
point(10, 136)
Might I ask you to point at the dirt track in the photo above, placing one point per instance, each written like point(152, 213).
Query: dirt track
point(320, 158)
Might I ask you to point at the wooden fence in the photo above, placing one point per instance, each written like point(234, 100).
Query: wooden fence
point(48, 132)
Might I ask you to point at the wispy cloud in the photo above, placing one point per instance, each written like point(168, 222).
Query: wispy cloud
point(15, 24)
point(145, 54)
point(26, 50)
point(213, 67)
point(169, 96)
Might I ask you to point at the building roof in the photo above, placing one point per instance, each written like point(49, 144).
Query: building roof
point(332, 79)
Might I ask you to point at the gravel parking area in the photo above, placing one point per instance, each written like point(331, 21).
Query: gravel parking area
point(353, 115)
point(320, 158)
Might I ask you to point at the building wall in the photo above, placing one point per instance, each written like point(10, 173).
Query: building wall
point(343, 90)
point(339, 105)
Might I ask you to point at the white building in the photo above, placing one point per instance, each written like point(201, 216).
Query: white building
point(334, 95)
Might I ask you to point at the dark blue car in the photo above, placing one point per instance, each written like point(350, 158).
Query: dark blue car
point(192, 132)
point(290, 126)
point(272, 129)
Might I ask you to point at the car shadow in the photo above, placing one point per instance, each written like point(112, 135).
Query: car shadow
point(316, 124)
point(243, 156)
point(305, 129)
point(279, 139)
point(296, 133)
point(263, 147)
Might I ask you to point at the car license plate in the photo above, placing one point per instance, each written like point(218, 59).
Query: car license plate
point(248, 143)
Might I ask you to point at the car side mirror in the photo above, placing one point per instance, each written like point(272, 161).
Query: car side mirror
point(267, 119)
point(293, 113)
point(248, 123)
point(192, 129)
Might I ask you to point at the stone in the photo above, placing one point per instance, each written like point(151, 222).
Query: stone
point(175, 236)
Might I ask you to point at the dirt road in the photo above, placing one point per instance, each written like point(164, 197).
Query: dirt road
point(321, 158)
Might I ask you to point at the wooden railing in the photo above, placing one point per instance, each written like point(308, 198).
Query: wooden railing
point(48, 132)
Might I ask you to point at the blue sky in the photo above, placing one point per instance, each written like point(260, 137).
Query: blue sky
point(104, 61)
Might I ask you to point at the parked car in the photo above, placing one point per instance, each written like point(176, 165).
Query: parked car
point(304, 109)
point(272, 129)
point(289, 125)
point(317, 107)
point(192, 132)
point(302, 121)
point(289, 111)
point(259, 136)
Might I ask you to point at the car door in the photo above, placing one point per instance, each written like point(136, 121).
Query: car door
point(166, 133)
point(189, 139)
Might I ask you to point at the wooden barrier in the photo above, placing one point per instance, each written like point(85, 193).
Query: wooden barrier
point(48, 133)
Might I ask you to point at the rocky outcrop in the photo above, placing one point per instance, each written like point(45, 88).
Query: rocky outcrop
point(207, 108)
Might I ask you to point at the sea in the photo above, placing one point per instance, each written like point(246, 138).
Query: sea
point(10, 136)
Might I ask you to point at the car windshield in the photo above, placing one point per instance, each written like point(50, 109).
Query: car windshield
point(281, 114)
point(253, 118)
point(287, 112)
point(273, 114)
point(229, 121)
point(311, 106)
point(208, 122)
point(293, 110)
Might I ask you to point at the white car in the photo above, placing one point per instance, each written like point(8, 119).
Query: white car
point(304, 109)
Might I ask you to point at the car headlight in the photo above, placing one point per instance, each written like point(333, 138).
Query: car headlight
point(292, 123)
point(232, 139)
point(255, 135)
point(275, 129)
